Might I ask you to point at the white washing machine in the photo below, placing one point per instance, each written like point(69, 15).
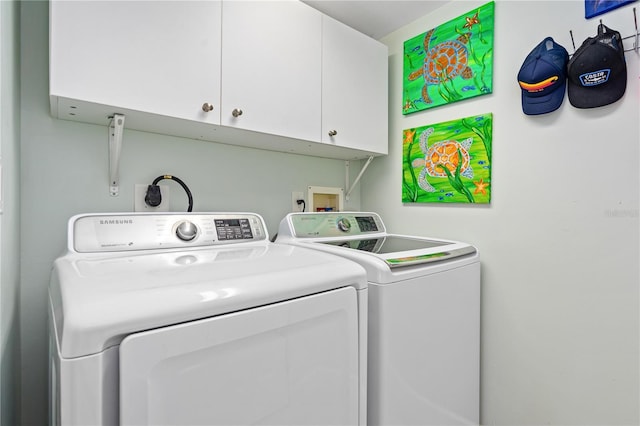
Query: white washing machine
point(197, 319)
point(424, 316)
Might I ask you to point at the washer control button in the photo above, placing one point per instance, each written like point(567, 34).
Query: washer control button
point(344, 225)
point(186, 231)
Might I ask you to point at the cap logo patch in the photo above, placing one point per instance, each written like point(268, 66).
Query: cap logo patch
point(538, 87)
point(595, 78)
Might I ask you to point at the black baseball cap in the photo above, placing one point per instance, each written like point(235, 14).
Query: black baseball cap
point(597, 72)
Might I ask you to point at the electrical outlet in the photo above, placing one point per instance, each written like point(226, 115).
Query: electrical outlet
point(295, 196)
point(141, 191)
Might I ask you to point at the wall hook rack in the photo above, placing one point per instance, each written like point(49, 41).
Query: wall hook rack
point(635, 24)
point(635, 36)
point(116, 128)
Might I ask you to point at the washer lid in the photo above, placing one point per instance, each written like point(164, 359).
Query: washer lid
point(398, 250)
point(366, 237)
point(99, 298)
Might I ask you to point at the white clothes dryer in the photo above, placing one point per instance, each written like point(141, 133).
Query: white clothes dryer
point(424, 316)
point(197, 319)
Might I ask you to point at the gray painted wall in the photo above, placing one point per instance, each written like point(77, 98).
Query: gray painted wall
point(10, 209)
point(559, 243)
point(560, 240)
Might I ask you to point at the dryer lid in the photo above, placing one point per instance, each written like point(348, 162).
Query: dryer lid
point(97, 299)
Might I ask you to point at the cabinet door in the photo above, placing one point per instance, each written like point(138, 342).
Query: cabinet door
point(354, 89)
point(160, 57)
point(271, 67)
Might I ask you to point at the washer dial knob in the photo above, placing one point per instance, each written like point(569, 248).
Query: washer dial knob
point(186, 231)
point(343, 224)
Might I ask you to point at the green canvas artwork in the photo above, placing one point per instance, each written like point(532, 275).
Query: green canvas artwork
point(448, 162)
point(451, 62)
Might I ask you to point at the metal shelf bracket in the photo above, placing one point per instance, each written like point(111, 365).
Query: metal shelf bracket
point(350, 188)
point(116, 128)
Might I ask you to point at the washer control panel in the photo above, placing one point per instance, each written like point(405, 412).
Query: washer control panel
point(146, 231)
point(334, 224)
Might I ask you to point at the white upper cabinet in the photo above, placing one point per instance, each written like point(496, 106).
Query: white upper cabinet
point(354, 89)
point(160, 57)
point(275, 75)
point(271, 67)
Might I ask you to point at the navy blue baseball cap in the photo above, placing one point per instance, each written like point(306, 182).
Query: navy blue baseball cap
point(543, 78)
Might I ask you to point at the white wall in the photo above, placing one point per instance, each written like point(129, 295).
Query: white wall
point(560, 240)
point(10, 208)
point(65, 171)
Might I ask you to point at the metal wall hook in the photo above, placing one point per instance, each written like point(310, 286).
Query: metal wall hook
point(635, 36)
point(572, 42)
point(635, 23)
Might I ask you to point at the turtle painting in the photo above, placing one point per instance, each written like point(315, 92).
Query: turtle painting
point(450, 62)
point(448, 162)
point(447, 153)
point(443, 62)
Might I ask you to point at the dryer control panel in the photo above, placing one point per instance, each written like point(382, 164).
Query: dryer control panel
point(147, 231)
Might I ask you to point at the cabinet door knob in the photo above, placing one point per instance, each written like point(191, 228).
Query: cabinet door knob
point(236, 112)
point(333, 132)
point(206, 107)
